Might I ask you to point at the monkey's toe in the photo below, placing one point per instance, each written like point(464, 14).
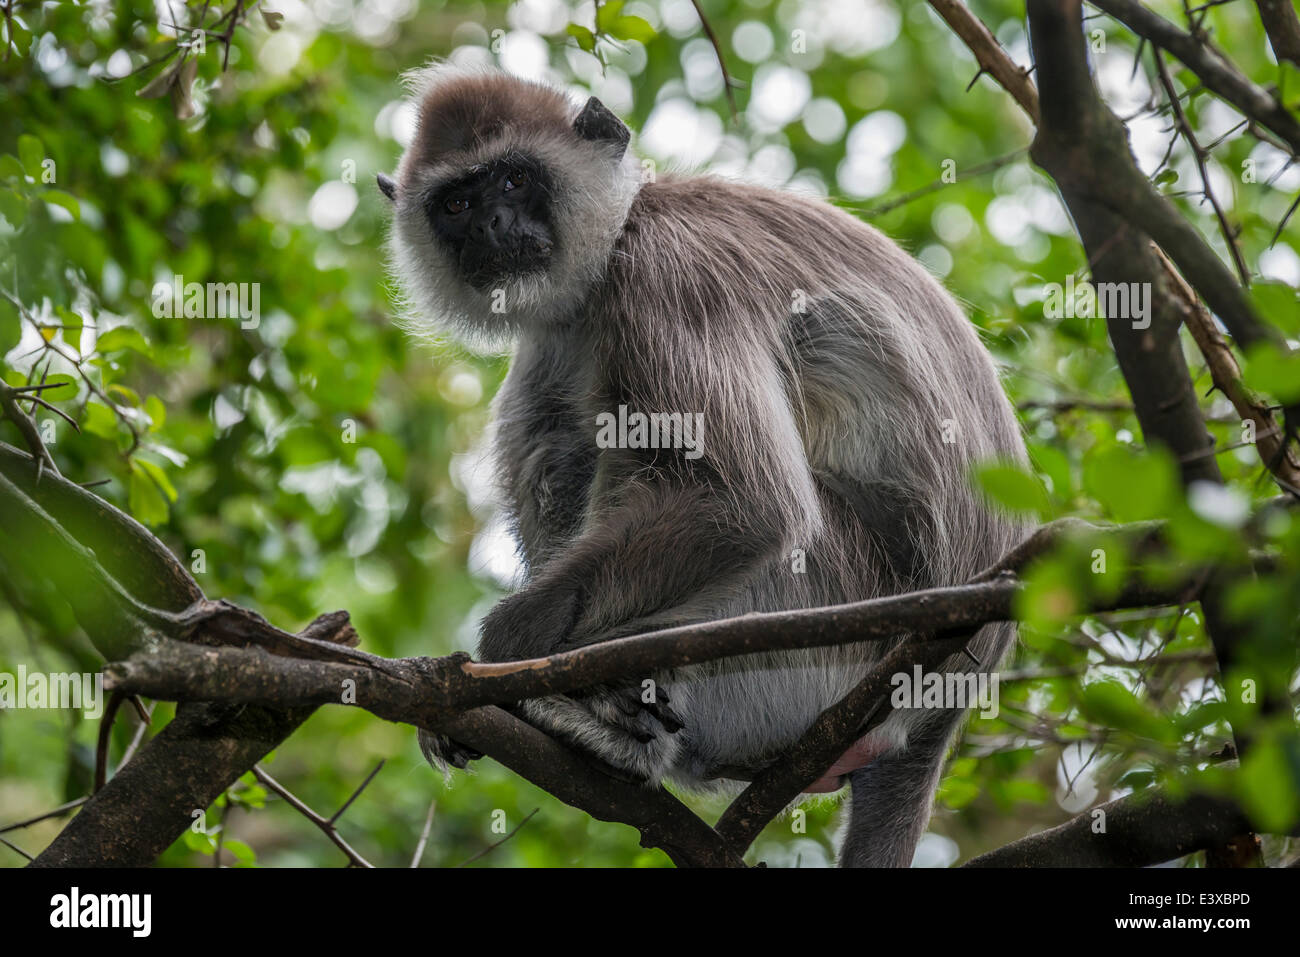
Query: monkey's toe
point(626, 707)
point(444, 753)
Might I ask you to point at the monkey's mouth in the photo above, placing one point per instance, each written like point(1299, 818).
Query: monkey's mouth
point(486, 268)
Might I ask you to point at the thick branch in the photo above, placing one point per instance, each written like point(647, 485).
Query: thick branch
point(1085, 148)
point(1141, 830)
point(1074, 117)
point(1283, 28)
point(151, 800)
point(414, 691)
point(134, 556)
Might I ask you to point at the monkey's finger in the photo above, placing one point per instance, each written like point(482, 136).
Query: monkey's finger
point(625, 700)
point(665, 715)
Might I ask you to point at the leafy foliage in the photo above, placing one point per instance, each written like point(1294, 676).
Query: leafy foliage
point(319, 458)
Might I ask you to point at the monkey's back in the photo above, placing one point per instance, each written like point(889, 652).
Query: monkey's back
point(886, 377)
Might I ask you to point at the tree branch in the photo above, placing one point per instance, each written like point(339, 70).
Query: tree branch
point(992, 59)
point(1141, 830)
point(1218, 75)
point(1078, 130)
point(1283, 28)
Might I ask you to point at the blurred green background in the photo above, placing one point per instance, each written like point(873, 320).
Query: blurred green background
point(325, 460)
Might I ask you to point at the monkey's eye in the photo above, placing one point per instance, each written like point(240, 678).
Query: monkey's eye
point(515, 180)
point(457, 205)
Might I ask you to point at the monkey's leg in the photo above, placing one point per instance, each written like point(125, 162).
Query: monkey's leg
point(666, 542)
point(892, 796)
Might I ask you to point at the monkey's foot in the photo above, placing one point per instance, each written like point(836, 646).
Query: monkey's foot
point(444, 753)
point(608, 728)
point(626, 705)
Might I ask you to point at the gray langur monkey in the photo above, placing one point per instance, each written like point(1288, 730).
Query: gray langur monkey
point(840, 398)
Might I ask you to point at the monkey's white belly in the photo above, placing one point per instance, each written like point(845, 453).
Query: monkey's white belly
point(744, 716)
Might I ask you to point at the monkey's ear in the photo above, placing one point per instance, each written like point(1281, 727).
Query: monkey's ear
point(597, 123)
point(386, 186)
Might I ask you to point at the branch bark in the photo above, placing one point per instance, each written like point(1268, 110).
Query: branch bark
point(992, 59)
point(1141, 830)
point(1283, 28)
point(1083, 145)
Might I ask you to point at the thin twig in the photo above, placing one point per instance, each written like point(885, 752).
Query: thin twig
point(424, 835)
point(722, 62)
point(355, 794)
point(1199, 154)
point(355, 859)
point(997, 163)
point(492, 847)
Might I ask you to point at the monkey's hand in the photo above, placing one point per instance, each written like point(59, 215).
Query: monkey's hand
point(444, 753)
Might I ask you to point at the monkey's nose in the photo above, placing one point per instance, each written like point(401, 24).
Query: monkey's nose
point(493, 226)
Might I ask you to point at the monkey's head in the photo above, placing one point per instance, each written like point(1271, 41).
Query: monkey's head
point(507, 203)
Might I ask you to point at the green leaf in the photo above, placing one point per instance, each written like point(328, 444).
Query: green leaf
point(11, 326)
point(58, 197)
point(32, 153)
point(1137, 778)
point(145, 499)
point(1271, 370)
point(1267, 788)
point(158, 476)
point(200, 843)
point(11, 167)
point(1133, 485)
point(126, 395)
point(13, 207)
point(632, 28)
point(11, 31)
point(607, 14)
point(123, 337)
point(957, 792)
point(157, 412)
point(1013, 488)
point(99, 420)
point(1025, 790)
point(243, 854)
point(72, 326)
point(586, 39)
point(1111, 704)
point(1054, 463)
point(251, 795)
point(65, 388)
point(1278, 303)
point(1051, 597)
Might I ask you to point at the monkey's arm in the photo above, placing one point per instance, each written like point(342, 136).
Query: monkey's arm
point(666, 526)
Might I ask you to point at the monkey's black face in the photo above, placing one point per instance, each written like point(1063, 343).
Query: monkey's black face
point(496, 220)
